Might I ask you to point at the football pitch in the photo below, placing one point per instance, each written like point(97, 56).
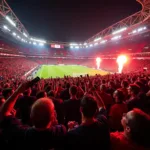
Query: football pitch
point(54, 71)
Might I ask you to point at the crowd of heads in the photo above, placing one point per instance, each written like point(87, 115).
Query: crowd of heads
point(122, 102)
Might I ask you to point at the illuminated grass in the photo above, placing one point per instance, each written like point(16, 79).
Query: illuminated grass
point(48, 71)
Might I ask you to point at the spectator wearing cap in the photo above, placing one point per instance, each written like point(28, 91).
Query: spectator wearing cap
point(136, 125)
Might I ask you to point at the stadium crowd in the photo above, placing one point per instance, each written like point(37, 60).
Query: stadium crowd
point(105, 112)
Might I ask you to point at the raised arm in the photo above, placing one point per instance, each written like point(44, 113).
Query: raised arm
point(99, 99)
point(8, 106)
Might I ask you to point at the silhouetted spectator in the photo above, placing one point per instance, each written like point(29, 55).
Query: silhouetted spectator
point(136, 126)
point(72, 107)
point(64, 95)
point(134, 101)
point(43, 135)
point(92, 133)
point(117, 110)
point(41, 94)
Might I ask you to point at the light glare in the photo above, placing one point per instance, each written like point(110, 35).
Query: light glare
point(10, 21)
point(104, 41)
point(97, 39)
point(118, 31)
point(116, 37)
point(73, 44)
point(37, 40)
point(6, 28)
point(14, 34)
point(25, 34)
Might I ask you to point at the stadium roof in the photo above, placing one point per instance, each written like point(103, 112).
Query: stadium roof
point(10, 24)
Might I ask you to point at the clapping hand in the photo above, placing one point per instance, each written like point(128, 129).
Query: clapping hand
point(72, 125)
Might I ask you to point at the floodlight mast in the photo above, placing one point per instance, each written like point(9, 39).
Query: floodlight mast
point(132, 20)
point(5, 10)
point(135, 19)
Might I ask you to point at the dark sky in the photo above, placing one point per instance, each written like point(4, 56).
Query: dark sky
point(70, 20)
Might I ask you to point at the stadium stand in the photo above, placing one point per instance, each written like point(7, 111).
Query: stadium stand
point(109, 112)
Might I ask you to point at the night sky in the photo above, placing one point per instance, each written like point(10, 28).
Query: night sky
point(70, 20)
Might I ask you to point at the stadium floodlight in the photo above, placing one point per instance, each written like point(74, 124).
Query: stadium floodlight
point(80, 44)
point(134, 31)
point(116, 37)
point(77, 47)
point(41, 44)
point(140, 29)
point(104, 41)
point(97, 39)
point(34, 43)
point(25, 34)
point(91, 45)
point(6, 28)
point(18, 37)
point(73, 44)
point(14, 34)
point(119, 31)
point(10, 21)
point(37, 40)
point(85, 44)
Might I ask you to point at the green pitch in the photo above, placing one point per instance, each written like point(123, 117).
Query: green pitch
point(48, 71)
